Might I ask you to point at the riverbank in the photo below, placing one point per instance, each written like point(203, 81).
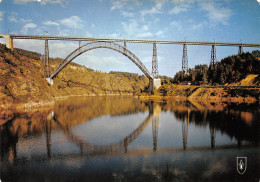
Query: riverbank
point(23, 86)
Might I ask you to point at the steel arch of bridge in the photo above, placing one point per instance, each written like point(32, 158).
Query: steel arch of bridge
point(95, 45)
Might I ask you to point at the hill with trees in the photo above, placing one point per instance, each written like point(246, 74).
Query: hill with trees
point(229, 70)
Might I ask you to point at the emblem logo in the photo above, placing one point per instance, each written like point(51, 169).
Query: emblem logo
point(241, 164)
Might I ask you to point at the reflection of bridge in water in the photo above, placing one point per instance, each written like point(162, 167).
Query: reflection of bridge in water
point(154, 112)
point(120, 147)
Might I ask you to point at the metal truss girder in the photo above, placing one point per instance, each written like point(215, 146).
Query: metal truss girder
point(43, 37)
point(95, 45)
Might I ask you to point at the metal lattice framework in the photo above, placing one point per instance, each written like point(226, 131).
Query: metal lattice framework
point(213, 55)
point(240, 49)
point(46, 67)
point(96, 39)
point(155, 62)
point(95, 45)
point(185, 59)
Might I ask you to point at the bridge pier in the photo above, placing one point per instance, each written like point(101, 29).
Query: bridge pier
point(8, 41)
point(185, 59)
point(155, 62)
point(46, 66)
point(50, 81)
point(240, 49)
point(213, 55)
point(154, 82)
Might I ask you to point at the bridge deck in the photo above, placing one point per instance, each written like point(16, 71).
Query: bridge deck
point(43, 37)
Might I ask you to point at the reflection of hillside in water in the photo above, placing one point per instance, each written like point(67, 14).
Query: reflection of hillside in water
point(72, 112)
point(239, 120)
point(236, 120)
point(78, 110)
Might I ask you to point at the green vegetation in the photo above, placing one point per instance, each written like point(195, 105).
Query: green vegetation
point(229, 70)
point(197, 75)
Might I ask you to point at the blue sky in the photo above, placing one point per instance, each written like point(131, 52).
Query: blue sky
point(193, 20)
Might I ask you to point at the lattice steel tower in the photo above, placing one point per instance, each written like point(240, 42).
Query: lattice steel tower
point(185, 59)
point(155, 62)
point(213, 55)
point(240, 49)
point(46, 66)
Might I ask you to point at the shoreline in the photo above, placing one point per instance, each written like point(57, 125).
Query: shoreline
point(33, 106)
point(8, 112)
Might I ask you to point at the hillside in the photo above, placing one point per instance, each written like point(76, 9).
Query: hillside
point(23, 85)
point(246, 90)
point(250, 80)
point(229, 70)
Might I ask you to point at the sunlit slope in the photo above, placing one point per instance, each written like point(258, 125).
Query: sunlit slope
point(250, 80)
point(22, 81)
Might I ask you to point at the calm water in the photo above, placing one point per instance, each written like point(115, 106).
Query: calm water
point(126, 139)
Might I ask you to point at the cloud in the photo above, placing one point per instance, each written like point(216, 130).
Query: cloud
point(114, 35)
point(159, 33)
point(180, 6)
point(258, 1)
point(127, 14)
point(156, 9)
point(72, 22)
point(215, 13)
point(1, 15)
point(61, 2)
point(43, 2)
point(178, 9)
point(27, 27)
point(119, 4)
point(199, 25)
point(48, 22)
point(87, 34)
point(32, 45)
point(134, 29)
point(23, 1)
point(25, 20)
point(12, 19)
point(175, 24)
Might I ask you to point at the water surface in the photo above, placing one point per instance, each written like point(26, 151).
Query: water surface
point(126, 139)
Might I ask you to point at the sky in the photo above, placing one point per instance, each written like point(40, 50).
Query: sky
point(191, 20)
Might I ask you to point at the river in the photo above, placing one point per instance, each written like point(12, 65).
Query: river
point(128, 139)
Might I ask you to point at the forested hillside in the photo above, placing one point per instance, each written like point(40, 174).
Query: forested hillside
point(229, 70)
